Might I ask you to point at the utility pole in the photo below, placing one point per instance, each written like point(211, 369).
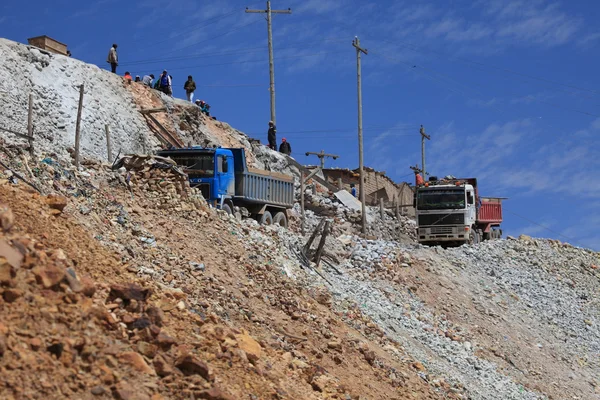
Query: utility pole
point(359, 50)
point(269, 13)
point(322, 156)
point(423, 137)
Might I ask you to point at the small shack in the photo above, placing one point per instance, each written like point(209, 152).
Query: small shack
point(49, 44)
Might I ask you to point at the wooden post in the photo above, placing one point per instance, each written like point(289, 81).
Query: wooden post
point(381, 209)
point(306, 247)
point(78, 126)
point(340, 184)
point(321, 244)
point(108, 143)
point(30, 124)
point(397, 210)
point(302, 189)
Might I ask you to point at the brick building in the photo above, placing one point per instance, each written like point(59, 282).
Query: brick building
point(377, 185)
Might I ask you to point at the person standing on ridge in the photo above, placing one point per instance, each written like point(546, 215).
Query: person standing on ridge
point(164, 81)
point(127, 77)
point(285, 147)
point(272, 136)
point(190, 87)
point(148, 79)
point(113, 58)
point(353, 189)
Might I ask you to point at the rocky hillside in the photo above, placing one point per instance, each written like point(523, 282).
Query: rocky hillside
point(115, 286)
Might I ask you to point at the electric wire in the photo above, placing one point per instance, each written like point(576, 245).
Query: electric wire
point(244, 50)
point(253, 61)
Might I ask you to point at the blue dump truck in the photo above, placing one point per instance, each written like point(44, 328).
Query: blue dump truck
point(227, 183)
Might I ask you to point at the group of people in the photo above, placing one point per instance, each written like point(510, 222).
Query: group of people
point(164, 83)
point(284, 147)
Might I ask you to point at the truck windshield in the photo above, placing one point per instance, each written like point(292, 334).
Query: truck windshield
point(202, 165)
point(440, 199)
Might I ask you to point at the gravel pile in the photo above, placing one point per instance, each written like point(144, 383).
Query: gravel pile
point(54, 82)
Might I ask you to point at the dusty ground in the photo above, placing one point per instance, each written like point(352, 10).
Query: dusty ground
point(302, 349)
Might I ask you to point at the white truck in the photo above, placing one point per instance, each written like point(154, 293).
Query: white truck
point(451, 212)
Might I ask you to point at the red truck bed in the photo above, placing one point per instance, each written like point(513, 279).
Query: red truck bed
point(490, 211)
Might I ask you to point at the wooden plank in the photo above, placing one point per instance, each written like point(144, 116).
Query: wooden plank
point(169, 137)
point(153, 110)
point(16, 133)
point(306, 248)
point(321, 244)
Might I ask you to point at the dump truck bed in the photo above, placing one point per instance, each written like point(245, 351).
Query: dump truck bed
point(256, 186)
point(490, 211)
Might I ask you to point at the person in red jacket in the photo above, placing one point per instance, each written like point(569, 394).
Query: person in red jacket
point(419, 179)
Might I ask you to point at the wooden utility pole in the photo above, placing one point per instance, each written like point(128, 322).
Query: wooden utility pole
point(322, 156)
point(359, 50)
point(269, 13)
point(423, 137)
point(30, 124)
point(78, 126)
point(108, 143)
point(302, 190)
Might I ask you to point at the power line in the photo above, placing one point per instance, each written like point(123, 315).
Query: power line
point(540, 225)
point(214, 54)
point(253, 61)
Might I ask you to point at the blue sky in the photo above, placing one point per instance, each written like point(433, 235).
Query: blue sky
point(508, 89)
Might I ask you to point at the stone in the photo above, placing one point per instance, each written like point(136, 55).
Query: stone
point(214, 393)
point(125, 391)
point(98, 390)
point(7, 218)
point(156, 315)
point(135, 360)
point(164, 340)
point(49, 275)
point(35, 343)
point(56, 202)
point(74, 282)
point(369, 356)
point(250, 346)
point(335, 345)
point(10, 254)
point(162, 367)
point(129, 292)
point(147, 349)
point(11, 295)
point(418, 366)
point(190, 365)
point(7, 272)
point(89, 287)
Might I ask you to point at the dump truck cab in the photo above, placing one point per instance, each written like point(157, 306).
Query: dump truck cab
point(226, 182)
point(452, 212)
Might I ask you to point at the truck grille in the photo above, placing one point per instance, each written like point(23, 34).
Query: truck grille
point(441, 219)
point(436, 230)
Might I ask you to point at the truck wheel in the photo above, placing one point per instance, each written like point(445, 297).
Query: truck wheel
point(281, 220)
point(266, 219)
point(474, 237)
point(227, 208)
